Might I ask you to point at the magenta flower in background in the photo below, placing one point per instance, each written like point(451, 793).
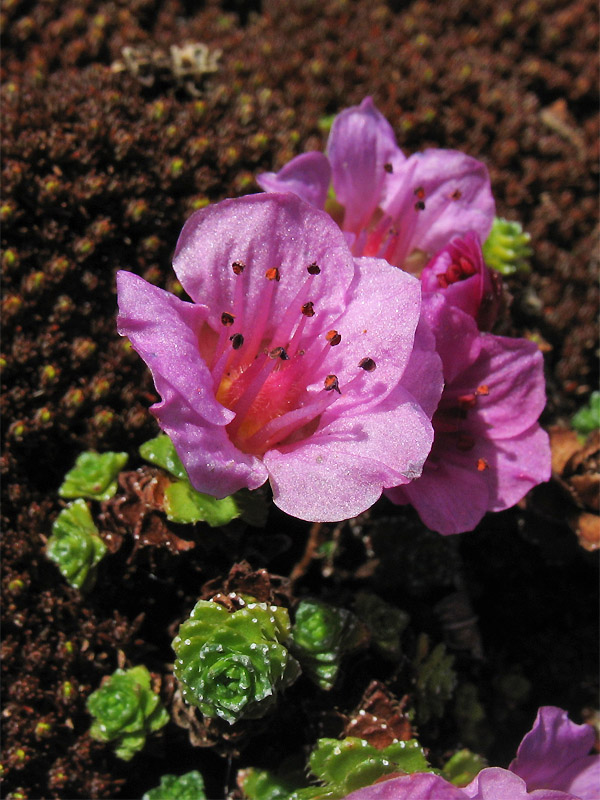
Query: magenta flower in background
point(459, 271)
point(292, 363)
point(403, 209)
point(489, 449)
point(552, 763)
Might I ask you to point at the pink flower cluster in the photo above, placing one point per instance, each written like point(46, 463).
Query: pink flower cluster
point(311, 357)
point(552, 763)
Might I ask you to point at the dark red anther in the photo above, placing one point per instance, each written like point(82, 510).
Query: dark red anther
point(227, 319)
point(467, 401)
point(482, 464)
point(279, 352)
point(367, 364)
point(419, 192)
point(465, 442)
point(419, 205)
point(388, 167)
point(237, 340)
point(484, 389)
point(308, 310)
point(314, 268)
point(456, 194)
point(273, 274)
point(331, 384)
point(238, 267)
point(333, 337)
point(467, 266)
point(443, 281)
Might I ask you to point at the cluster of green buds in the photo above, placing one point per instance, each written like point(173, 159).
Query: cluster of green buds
point(322, 634)
point(178, 787)
point(125, 710)
point(507, 248)
point(232, 665)
point(75, 545)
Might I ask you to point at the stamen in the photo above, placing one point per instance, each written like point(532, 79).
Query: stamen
point(331, 384)
point(484, 389)
point(482, 464)
point(273, 274)
point(314, 268)
point(279, 352)
point(419, 192)
point(367, 364)
point(467, 401)
point(308, 309)
point(237, 340)
point(333, 337)
point(419, 205)
point(388, 167)
point(227, 319)
point(238, 267)
point(456, 194)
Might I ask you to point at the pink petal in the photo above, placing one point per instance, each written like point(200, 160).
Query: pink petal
point(423, 375)
point(264, 231)
point(342, 468)
point(360, 144)
point(450, 497)
point(457, 196)
point(418, 786)
point(214, 465)
point(495, 783)
point(164, 331)
point(379, 322)
point(554, 754)
point(307, 176)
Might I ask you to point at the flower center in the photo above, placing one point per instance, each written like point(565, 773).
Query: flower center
point(263, 372)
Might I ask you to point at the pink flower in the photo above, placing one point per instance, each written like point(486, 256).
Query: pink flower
point(291, 362)
point(458, 270)
point(393, 207)
point(488, 449)
point(552, 763)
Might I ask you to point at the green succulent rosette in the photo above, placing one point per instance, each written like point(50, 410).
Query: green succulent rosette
point(126, 710)
point(587, 419)
point(232, 665)
point(435, 679)
point(385, 622)
point(343, 766)
point(322, 634)
point(75, 546)
point(94, 476)
point(507, 248)
point(178, 787)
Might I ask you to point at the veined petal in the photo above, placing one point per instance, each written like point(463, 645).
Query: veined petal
point(308, 176)
point(418, 786)
point(361, 144)
point(379, 323)
point(455, 195)
point(554, 754)
point(495, 783)
point(214, 465)
point(342, 468)
point(264, 232)
point(164, 331)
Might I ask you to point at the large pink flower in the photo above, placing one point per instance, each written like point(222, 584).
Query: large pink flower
point(552, 763)
point(292, 364)
point(489, 449)
point(390, 206)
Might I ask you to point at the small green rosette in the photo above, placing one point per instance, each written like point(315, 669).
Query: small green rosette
point(233, 665)
point(126, 710)
point(75, 546)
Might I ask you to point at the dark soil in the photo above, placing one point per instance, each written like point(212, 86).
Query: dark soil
point(103, 159)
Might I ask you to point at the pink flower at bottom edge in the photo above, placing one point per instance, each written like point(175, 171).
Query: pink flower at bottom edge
point(289, 364)
point(489, 449)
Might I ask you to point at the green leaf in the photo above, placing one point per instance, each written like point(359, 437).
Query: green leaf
point(262, 784)
point(384, 621)
point(587, 419)
point(75, 546)
point(161, 452)
point(125, 710)
point(463, 767)
point(93, 476)
point(435, 679)
point(184, 504)
point(178, 787)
